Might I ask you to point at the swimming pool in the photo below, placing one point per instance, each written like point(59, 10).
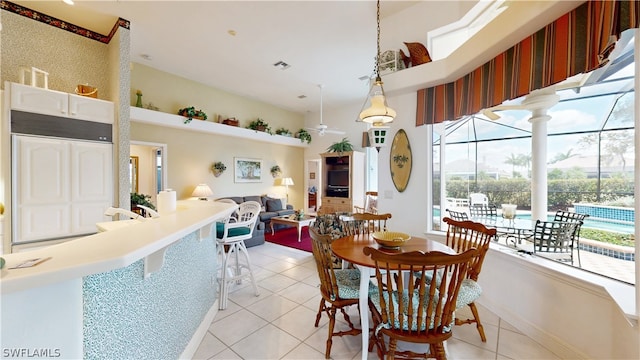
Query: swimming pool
point(625, 228)
point(593, 224)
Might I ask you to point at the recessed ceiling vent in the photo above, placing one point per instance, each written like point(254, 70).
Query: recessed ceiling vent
point(282, 65)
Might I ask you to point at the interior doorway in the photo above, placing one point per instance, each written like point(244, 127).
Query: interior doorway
point(150, 172)
point(313, 180)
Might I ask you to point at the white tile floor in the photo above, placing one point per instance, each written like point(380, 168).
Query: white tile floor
point(278, 324)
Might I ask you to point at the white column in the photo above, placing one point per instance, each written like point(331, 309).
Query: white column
point(539, 165)
point(539, 101)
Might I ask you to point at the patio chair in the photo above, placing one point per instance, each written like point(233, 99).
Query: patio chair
point(578, 218)
point(483, 210)
point(554, 239)
point(339, 287)
point(462, 236)
point(457, 215)
point(230, 235)
point(412, 308)
point(478, 199)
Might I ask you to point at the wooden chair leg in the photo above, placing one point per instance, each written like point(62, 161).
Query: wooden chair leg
point(474, 310)
point(332, 324)
point(320, 310)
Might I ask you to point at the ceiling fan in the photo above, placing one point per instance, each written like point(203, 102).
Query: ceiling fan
point(321, 128)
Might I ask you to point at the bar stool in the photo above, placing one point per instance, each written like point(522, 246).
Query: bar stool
point(231, 234)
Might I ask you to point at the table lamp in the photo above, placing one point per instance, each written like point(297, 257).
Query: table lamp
point(202, 191)
point(286, 182)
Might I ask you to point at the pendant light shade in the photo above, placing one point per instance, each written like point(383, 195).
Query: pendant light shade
point(379, 112)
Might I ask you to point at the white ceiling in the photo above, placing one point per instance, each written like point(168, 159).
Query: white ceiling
point(332, 43)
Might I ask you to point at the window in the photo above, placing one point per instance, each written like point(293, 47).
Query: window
point(590, 162)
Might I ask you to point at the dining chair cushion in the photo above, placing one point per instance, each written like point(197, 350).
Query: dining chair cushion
point(348, 281)
point(375, 300)
point(232, 231)
point(469, 292)
point(329, 224)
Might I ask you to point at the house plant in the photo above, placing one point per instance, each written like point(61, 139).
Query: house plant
point(284, 132)
point(190, 113)
point(141, 199)
point(217, 168)
point(276, 171)
point(341, 146)
point(304, 135)
point(259, 125)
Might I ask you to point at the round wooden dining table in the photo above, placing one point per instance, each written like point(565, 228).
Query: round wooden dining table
point(350, 249)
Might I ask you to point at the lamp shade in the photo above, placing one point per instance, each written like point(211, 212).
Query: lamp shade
point(286, 181)
point(202, 191)
point(378, 113)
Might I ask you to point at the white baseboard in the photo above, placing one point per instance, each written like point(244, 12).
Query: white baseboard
point(201, 331)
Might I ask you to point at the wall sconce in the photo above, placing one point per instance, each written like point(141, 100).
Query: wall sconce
point(202, 192)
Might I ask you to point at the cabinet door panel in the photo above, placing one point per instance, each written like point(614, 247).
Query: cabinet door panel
point(42, 170)
point(91, 169)
point(85, 216)
point(39, 222)
point(86, 108)
point(37, 100)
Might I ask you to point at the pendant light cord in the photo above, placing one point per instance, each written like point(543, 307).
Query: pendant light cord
point(378, 44)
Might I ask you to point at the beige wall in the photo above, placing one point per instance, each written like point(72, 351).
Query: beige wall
point(26, 42)
point(190, 155)
point(170, 93)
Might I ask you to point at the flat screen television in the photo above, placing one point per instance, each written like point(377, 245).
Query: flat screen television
point(338, 178)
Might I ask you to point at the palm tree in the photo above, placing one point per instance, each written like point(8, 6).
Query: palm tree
point(513, 160)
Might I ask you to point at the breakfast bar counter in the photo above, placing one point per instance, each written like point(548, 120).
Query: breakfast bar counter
point(143, 290)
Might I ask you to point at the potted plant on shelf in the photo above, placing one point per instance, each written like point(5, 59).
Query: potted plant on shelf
point(341, 146)
point(218, 168)
point(276, 171)
point(190, 113)
point(259, 125)
point(284, 132)
point(304, 135)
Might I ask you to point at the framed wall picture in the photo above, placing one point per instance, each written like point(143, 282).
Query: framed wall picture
point(247, 170)
point(312, 175)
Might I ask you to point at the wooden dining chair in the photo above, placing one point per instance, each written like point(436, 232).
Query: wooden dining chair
point(339, 287)
point(461, 236)
point(412, 308)
point(365, 223)
point(370, 203)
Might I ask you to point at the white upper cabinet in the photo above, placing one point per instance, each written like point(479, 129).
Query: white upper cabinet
point(50, 102)
point(38, 100)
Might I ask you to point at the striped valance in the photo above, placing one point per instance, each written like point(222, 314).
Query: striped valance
point(573, 44)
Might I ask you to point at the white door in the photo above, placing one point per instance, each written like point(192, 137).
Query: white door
point(91, 184)
point(41, 188)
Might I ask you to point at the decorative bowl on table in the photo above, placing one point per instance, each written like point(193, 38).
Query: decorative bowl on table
point(390, 239)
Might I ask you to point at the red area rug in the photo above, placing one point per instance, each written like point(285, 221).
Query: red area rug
point(289, 237)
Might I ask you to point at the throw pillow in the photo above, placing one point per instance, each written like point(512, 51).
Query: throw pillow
point(274, 205)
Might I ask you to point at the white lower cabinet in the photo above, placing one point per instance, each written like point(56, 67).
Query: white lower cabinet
point(61, 187)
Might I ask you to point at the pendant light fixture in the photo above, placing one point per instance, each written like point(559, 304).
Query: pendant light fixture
point(378, 113)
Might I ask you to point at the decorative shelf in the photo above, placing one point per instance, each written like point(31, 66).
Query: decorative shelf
point(158, 118)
